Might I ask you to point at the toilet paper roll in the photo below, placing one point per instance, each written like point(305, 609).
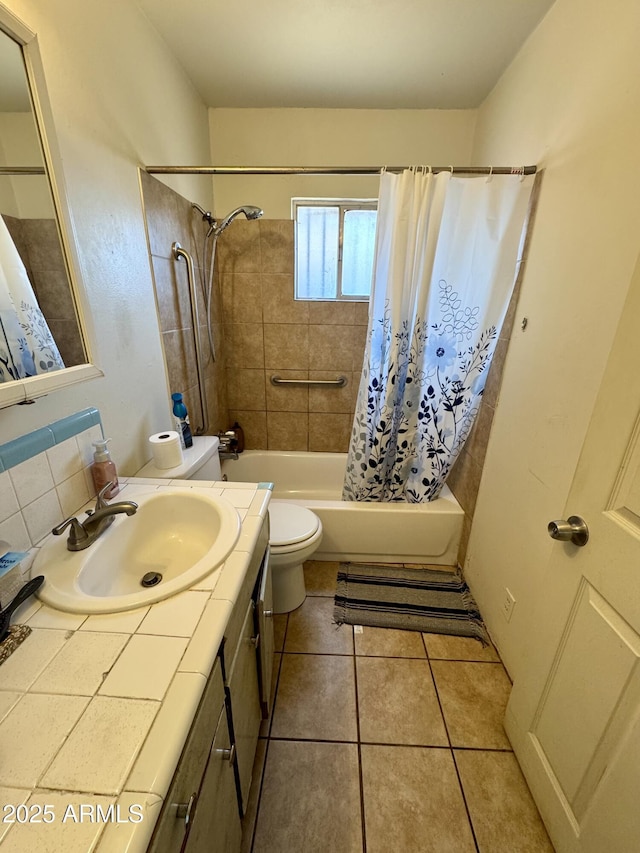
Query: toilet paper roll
point(166, 449)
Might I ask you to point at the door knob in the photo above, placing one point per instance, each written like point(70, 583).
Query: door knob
point(574, 529)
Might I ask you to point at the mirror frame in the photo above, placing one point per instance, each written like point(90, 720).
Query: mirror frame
point(26, 390)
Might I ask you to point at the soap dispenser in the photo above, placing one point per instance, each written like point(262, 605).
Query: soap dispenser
point(103, 469)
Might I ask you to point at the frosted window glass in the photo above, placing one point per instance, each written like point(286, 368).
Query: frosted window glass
point(317, 252)
point(357, 251)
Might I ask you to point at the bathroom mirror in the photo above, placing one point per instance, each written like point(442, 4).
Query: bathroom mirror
point(37, 248)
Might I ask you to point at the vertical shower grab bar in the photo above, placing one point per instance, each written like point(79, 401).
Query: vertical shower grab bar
point(178, 252)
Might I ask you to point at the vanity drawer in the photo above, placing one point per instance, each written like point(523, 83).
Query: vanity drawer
point(182, 796)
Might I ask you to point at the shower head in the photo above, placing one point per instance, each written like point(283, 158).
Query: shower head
point(249, 210)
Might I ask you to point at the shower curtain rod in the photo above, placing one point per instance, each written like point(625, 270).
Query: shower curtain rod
point(334, 170)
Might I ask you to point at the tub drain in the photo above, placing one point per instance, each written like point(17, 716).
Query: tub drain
point(151, 579)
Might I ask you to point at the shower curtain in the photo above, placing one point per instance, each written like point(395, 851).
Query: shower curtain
point(445, 263)
point(27, 346)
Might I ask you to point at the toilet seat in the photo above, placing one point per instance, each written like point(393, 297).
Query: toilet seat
point(290, 524)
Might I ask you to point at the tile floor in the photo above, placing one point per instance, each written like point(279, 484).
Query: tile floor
point(385, 741)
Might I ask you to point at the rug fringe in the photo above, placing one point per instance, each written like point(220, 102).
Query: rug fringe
point(348, 609)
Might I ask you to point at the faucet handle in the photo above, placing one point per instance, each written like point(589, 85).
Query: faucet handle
point(101, 501)
point(77, 532)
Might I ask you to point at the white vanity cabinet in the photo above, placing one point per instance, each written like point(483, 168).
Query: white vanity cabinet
point(209, 792)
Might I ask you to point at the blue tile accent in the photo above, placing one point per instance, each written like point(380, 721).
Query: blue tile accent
point(268, 486)
point(20, 449)
point(74, 424)
point(23, 448)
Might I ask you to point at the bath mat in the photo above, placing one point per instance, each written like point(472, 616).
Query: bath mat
point(428, 600)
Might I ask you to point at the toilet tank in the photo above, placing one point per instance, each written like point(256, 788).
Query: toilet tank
point(200, 462)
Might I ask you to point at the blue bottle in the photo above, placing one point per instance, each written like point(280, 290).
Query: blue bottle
point(182, 420)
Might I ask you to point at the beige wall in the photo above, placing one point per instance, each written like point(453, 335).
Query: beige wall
point(118, 99)
point(570, 103)
point(321, 137)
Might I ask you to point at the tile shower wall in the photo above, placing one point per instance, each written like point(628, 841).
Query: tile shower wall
point(170, 218)
point(268, 333)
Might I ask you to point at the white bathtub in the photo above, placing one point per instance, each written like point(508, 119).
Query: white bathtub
point(375, 532)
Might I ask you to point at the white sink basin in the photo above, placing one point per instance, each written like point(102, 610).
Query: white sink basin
point(178, 534)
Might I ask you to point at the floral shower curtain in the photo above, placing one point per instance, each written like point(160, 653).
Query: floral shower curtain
point(445, 263)
point(27, 346)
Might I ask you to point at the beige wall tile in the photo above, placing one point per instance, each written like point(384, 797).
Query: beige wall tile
point(329, 433)
point(494, 379)
point(242, 297)
point(332, 313)
point(476, 443)
point(359, 345)
point(464, 481)
point(254, 425)
point(361, 313)
point(180, 359)
point(412, 801)
point(246, 389)
point(238, 249)
point(287, 398)
point(279, 304)
point(286, 346)
point(331, 347)
point(287, 430)
point(330, 399)
point(276, 245)
point(245, 345)
point(161, 209)
point(503, 813)
point(172, 301)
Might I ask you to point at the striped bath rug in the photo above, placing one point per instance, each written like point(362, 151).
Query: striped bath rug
point(428, 600)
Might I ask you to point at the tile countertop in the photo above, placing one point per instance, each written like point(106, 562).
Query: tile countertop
point(95, 710)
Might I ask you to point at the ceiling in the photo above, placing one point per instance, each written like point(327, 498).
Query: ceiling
point(356, 54)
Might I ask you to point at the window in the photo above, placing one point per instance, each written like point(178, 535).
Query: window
point(334, 247)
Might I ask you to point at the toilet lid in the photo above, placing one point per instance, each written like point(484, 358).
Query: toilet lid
point(290, 523)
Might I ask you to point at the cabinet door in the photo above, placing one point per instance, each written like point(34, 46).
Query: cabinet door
point(266, 643)
point(245, 702)
point(217, 828)
point(178, 815)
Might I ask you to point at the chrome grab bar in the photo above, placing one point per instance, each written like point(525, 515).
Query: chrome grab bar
point(340, 382)
point(178, 252)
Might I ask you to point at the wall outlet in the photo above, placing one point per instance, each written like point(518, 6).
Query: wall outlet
point(508, 603)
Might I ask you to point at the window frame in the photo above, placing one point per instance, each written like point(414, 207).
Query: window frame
point(344, 205)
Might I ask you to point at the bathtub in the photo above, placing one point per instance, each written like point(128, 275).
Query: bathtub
point(364, 532)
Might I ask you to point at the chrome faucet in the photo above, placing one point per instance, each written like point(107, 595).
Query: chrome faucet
point(228, 448)
point(83, 534)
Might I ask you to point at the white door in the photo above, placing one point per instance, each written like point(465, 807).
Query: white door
point(574, 721)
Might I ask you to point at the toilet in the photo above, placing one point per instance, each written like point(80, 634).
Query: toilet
point(294, 531)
